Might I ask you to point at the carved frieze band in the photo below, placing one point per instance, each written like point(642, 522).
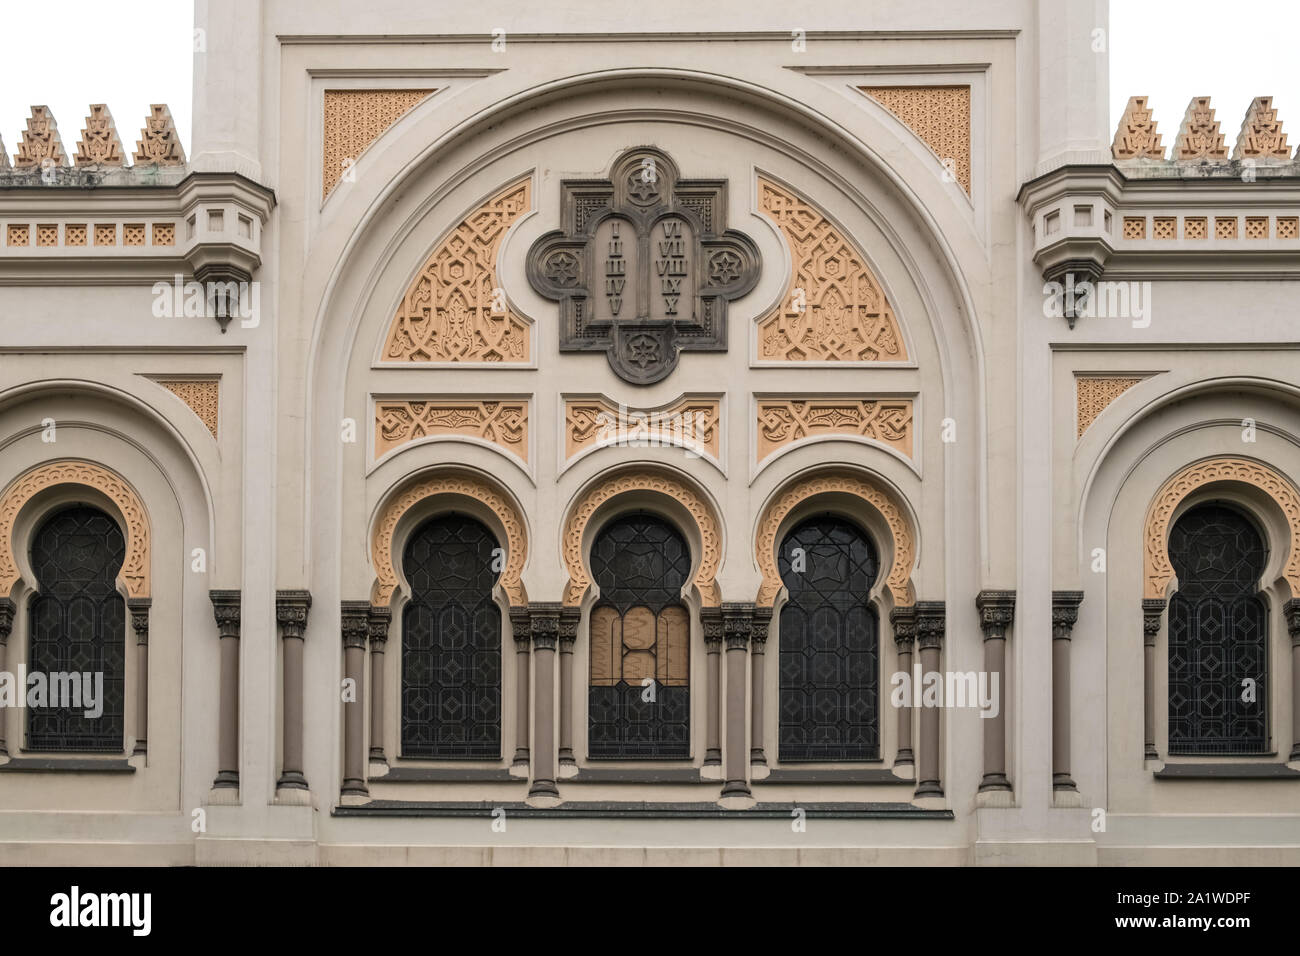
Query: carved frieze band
point(1157, 569)
point(502, 422)
point(353, 120)
point(900, 572)
point(1093, 393)
point(939, 115)
point(454, 310)
point(467, 486)
point(705, 521)
point(834, 309)
point(135, 573)
point(201, 395)
point(784, 421)
point(688, 423)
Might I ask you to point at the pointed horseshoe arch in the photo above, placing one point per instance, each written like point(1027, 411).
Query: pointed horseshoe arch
point(134, 575)
point(468, 486)
point(591, 500)
point(899, 581)
point(1157, 569)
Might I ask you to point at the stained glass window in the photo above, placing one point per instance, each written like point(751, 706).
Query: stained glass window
point(451, 642)
point(1218, 627)
point(77, 623)
point(828, 644)
point(638, 702)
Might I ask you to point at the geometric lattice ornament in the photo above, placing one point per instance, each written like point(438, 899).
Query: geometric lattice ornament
point(455, 311)
point(353, 120)
point(1158, 570)
point(135, 572)
point(202, 396)
point(689, 423)
point(503, 423)
point(834, 310)
point(783, 422)
point(1136, 136)
point(1093, 393)
point(939, 115)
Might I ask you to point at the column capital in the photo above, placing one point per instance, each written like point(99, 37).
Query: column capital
point(225, 608)
point(711, 623)
point(6, 619)
point(758, 628)
point(544, 624)
point(903, 620)
point(1291, 612)
point(930, 623)
point(1152, 610)
point(736, 619)
point(377, 621)
point(569, 618)
point(354, 622)
point(997, 611)
point(519, 625)
point(139, 608)
point(1065, 612)
point(291, 612)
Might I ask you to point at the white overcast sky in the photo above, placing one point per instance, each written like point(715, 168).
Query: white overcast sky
point(70, 53)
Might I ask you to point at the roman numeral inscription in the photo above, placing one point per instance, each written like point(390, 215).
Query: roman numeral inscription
point(671, 266)
point(615, 270)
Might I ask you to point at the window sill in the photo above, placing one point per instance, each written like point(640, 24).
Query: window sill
point(66, 765)
point(590, 775)
point(866, 776)
point(446, 775)
point(1226, 771)
point(657, 811)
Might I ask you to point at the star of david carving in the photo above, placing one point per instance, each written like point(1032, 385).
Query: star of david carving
point(644, 265)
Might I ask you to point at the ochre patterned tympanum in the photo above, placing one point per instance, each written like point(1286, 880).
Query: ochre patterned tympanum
point(502, 422)
point(784, 421)
point(1157, 571)
point(455, 310)
point(900, 572)
point(939, 115)
point(135, 573)
point(452, 484)
point(688, 422)
point(1094, 392)
point(834, 309)
point(636, 481)
point(353, 120)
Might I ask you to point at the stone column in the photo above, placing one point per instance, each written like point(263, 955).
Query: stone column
point(6, 626)
point(1065, 611)
point(291, 609)
point(520, 765)
point(997, 610)
point(904, 621)
point(758, 633)
point(545, 626)
point(736, 619)
point(929, 642)
point(1291, 609)
point(139, 608)
point(569, 618)
point(711, 624)
point(225, 608)
point(354, 624)
point(1152, 610)
point(377, 631)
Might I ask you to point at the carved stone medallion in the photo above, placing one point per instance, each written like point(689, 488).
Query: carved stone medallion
point(644, 265)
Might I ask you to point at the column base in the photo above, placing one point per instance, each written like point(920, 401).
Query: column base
point(736, 796)
point(1062, 781)
point(291, 780)
point(711, 770)
point(568, 768)
point(999, 799)
point(904, 770)
point(223, 797)
point(138, 759)
point(377, 768)
point(1153, 764)
point(292, 797)
point(759, 771)
point(543, 794)
point(354, 789)
point(141, 748)
point(927, 789)
point(1150, 754)
point(1067, 799)
point(353, 799)
point(994, 781)
point(521, 766)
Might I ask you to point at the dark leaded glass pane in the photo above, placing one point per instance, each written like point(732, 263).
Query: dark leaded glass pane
point(78, 626)
point(639, 701)
point(1218, 627)
point(451, 643)
point(827, 641)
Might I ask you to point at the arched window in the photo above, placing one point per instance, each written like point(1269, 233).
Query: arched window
point(828, 644)
point(451, 642)
point(77, 628)
point(1218, 626)
point(639, 700)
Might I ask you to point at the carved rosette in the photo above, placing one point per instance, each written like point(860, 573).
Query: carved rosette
point(1157, 571)
point(135, 571)
point(834, 309)
point(454, 311)
point(516, 544)
point(664, 484)
point(503, 423)
point(900, 572)
point(783, 422)
point(643, 266)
